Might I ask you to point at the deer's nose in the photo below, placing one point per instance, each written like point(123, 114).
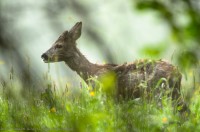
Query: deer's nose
point(44, 57)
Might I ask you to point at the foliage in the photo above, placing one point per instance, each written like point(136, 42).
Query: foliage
point(154, 51)
point(183, 19)
point(89, 110)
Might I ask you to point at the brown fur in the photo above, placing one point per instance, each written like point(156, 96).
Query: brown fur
point(132, 79)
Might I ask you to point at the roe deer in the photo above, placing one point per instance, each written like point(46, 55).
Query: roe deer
point(129, 76)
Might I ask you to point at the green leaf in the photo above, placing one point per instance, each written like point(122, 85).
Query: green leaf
point(153, 51)
point(187, 59)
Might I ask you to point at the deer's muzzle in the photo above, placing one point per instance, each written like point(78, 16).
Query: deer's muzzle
point(45, 57)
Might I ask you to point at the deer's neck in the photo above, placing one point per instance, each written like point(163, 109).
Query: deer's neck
point(81, 65)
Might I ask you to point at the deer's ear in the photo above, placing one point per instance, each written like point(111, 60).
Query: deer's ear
point(75, 32)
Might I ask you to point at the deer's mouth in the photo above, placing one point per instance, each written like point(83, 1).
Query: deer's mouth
point(47, 59)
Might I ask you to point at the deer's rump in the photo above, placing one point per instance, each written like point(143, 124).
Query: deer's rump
point(147, 76)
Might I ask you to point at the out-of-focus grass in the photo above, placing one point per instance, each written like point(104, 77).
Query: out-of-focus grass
point(90, 110)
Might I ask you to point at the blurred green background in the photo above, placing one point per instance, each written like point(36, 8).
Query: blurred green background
point(114, 31)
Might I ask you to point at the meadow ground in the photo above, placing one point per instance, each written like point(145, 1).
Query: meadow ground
point(87, 109)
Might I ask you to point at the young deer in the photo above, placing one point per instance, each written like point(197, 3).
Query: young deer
point(131, 78)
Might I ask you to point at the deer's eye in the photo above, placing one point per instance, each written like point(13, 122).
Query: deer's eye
point(58, 46)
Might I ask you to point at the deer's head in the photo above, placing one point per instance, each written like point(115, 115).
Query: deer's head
point(64, 46)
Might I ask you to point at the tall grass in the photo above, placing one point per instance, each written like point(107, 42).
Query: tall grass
point(89, 109)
